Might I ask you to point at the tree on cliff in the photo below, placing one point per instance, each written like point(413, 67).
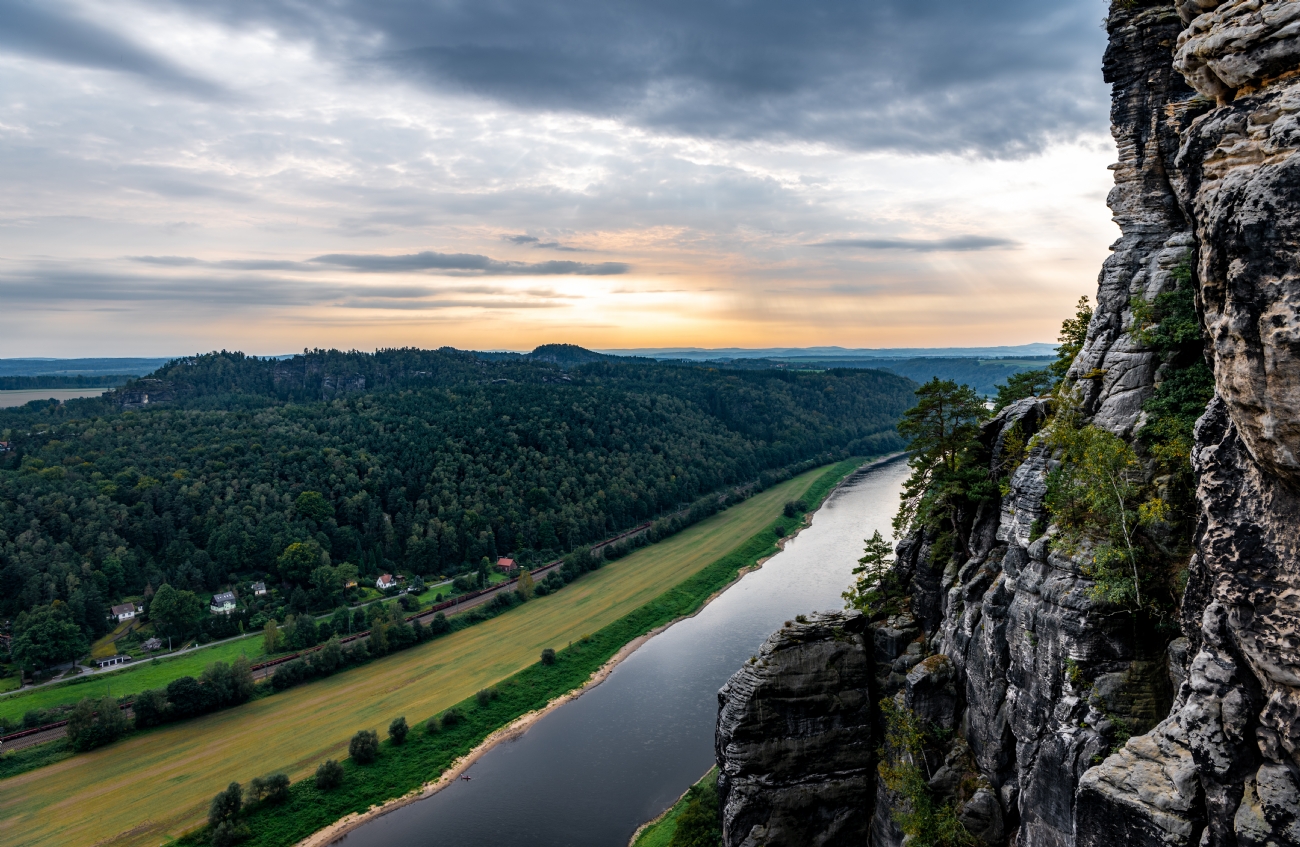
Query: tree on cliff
point(1022, 385)
point(877, 588)
point(941, 431)
point(1074, 331)
point(1099, 500)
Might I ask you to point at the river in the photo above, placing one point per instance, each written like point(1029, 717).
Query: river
point(591, 771)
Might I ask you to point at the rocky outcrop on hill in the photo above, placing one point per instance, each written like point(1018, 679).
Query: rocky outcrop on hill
point(1068, 721)
point(794, 737)
point(139, 393)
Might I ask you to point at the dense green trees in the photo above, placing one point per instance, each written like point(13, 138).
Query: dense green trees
point(272, 789)
point(175, 613)
point(93, 723)
point(223, 817)
point(364, 747)
point(259, 469)
point(46, 636)
point(699, 824)
point(220, 686)
point(329, 775)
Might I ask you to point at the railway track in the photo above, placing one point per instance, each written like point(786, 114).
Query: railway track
point(263, 670)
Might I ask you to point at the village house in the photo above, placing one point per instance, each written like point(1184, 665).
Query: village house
point(505, 565)
point(385, 582)
point(151, 645)
point(124, 612)
point(223, 603)
point(259, 588)
point(5, 446)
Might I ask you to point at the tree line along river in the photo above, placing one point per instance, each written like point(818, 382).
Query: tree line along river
point(592, 770)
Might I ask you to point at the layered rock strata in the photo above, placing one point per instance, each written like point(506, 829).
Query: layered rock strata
point(1071, 722)
point(794, 738)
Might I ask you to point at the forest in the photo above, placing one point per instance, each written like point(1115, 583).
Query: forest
point(222, 468)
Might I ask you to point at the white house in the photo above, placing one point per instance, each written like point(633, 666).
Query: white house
point(222, 604)
point(385, 582)
point(259, 588)
point(124, 612)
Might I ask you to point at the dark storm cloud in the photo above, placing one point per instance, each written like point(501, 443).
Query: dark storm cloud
point(992, 77)
point(466, 263)
point(43, 31)
point(960, 243)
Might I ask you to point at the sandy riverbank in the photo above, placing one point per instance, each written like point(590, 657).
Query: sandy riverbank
point(516, 728)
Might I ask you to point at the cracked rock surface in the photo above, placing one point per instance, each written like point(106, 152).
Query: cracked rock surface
point(1068, 722)
point(794, 738)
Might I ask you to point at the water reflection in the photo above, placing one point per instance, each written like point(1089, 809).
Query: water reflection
point(590, 772)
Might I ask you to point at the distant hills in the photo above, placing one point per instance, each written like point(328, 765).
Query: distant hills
point(73, 373)
point(982, 368)
point(824, 353)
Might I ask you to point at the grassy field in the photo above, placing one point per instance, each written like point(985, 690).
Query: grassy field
point(155, 673)
point(158, 783)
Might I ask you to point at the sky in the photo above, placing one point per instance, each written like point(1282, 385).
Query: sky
point(181, 176)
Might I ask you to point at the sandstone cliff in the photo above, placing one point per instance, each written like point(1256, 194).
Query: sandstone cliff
point(1063, 720)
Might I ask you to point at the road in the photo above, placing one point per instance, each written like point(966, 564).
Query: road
point(457, 607)
point(259, 674)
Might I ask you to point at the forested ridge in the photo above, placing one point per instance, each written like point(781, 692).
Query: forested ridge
point(439, 459)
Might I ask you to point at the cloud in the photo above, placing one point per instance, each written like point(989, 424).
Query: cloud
point(989, 77)
point(450, 263)
point(41, 30)
point(955, 244)
point(224, 264)
point(538, 244)
point(68, 286)
point(468, 263)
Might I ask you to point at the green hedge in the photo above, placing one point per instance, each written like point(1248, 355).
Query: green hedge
point(401, 769)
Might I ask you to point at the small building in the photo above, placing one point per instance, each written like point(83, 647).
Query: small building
point(223, 603)
point(151, 645)
point(124, 612)
point(110, 661)
point(259, 588)
point(505, 564)
point(5, 447)
point(385, 582)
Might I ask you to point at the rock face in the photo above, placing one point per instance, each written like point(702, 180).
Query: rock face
point(1233, 737)
point(794, 738)
point(1072, 724)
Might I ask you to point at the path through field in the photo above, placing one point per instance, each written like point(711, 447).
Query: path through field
point(159, 783)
